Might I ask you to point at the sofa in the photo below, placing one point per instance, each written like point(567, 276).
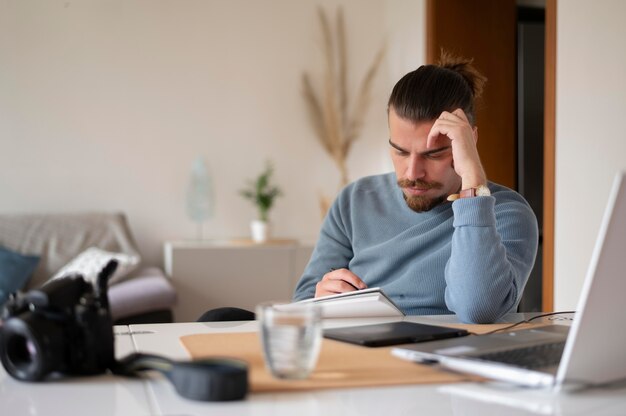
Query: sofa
point(62, 244)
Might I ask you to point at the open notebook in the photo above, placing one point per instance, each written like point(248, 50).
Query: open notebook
point(365, 303)
point(590, 353)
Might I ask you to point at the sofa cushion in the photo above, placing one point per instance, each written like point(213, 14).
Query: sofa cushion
point(150, 290)
point(15, 271)
point(90, 263)
point(58, 238)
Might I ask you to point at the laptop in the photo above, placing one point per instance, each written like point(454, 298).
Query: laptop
point(591, 352)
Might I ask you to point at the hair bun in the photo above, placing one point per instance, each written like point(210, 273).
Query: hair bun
point(464, 67)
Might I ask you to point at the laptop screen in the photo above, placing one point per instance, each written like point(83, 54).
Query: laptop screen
point(594, 352)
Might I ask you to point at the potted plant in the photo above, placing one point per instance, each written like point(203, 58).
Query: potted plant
point(262, 193)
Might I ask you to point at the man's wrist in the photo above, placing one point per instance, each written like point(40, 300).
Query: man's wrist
point(480, 190)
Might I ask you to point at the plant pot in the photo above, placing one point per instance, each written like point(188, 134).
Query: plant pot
point(260, 231)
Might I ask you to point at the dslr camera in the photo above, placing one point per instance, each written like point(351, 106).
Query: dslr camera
point(63, 327)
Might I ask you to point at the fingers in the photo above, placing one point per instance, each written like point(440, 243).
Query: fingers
point(338, 281)
point(461, 115)
point(462, 138)
point(456, 115)
point(450, 124)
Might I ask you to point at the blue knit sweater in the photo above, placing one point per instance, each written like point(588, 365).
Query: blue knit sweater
point(471, 257)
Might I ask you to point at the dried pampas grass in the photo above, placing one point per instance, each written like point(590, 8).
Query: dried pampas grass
point(336, 121)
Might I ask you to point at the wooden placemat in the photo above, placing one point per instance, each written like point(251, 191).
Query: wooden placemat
point(340, 364)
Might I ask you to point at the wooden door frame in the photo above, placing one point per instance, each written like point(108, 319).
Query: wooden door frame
point(549, 130)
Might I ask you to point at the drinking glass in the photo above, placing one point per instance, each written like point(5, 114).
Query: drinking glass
point(291, 335)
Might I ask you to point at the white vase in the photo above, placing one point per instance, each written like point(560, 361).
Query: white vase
point(260, 231)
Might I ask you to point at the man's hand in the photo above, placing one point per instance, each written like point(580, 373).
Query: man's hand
point(338, 281)
point(463, 138)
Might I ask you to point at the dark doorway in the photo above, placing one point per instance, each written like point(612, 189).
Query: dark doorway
point(530, 131)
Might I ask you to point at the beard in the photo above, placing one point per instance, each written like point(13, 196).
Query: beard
point(421, 203)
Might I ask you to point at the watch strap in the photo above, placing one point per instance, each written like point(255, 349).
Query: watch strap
point(481, 190)
point(467, 193)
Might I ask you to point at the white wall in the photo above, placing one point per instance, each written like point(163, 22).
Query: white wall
point(104, 105)
point(590, 138)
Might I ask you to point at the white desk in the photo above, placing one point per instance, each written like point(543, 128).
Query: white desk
point(105, 395)
point(110, 395)
point(449, 399)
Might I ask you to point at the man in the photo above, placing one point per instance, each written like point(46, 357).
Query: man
point(399, 231)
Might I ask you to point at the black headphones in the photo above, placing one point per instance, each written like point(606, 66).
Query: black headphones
point(212, 379)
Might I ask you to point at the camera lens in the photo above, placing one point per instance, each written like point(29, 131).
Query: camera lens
point(31, 348)
point(21, 351)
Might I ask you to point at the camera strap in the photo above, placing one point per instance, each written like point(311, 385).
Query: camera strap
point(211, 379)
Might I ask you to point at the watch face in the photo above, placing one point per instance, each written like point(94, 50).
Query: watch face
point(482, 190)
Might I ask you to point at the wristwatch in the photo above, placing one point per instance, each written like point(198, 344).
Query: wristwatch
point(480, 190)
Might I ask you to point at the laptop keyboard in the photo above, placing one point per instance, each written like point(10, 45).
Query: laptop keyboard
point(536, 356)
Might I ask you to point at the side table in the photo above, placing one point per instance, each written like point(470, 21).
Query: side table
point(215, 273)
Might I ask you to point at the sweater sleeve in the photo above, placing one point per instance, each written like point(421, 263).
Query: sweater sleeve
point(493, 250)
point(332, 251)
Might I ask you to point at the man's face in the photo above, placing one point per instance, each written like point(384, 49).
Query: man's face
point(426, 176)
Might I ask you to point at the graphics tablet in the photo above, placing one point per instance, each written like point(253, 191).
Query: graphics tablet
point(393, 333)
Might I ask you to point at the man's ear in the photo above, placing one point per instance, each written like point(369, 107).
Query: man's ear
point(475, 133)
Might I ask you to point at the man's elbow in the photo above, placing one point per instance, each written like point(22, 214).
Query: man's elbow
point(488, 308)
point(475, 314)
point(477, 318)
